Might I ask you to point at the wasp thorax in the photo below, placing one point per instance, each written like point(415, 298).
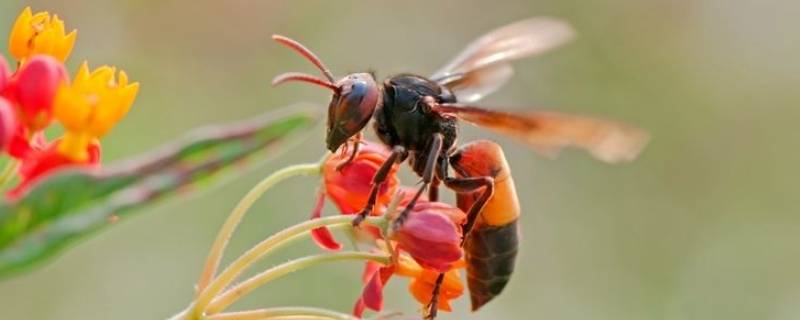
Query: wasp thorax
point(351, 108)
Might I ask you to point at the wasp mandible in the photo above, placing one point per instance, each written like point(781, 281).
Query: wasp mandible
point(418, 117)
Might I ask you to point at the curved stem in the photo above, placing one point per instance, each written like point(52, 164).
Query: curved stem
point(8, 172)
point(217, 249)
point(273, 313)
point(242, 289)
point(262, 249)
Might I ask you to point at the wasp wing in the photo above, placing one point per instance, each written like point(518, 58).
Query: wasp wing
point(549, 132)
point(475, 85)
point(483, 66)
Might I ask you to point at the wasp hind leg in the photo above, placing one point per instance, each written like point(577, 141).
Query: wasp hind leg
point(461, 185)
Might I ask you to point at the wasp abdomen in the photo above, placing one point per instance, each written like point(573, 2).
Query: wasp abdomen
point(491, 246)
point(491, 253)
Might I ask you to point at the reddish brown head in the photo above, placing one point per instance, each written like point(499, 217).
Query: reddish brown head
point(355, 96)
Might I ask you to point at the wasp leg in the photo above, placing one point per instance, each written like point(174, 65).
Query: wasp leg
point(461, 185)
point(427, 178)
point(377, 181)
point(433, 307)
point(466, 185)
point(356, 146)
point(433, 190)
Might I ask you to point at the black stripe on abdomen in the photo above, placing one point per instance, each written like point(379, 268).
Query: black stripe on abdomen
point(491, 253)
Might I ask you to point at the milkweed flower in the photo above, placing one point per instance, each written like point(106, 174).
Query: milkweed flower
point(431, 234)
point(40, 90)
point(421, 285)
point(349, 187)
point(4, 75)
point(8, 123)
point(426, 244)
point(40, 33)
point(91, 106)
point(40, 162)
point(33, 89)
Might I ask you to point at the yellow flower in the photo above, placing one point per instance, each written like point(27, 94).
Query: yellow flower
point(90, 106)
point(40, 34)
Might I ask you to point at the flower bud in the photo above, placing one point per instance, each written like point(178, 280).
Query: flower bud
point(430, 235)
point(34, 89)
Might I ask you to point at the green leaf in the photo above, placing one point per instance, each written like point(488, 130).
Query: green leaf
point(74, 203)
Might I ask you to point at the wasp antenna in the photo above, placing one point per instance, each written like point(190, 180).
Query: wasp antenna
point(296, 76)
point(305, 52)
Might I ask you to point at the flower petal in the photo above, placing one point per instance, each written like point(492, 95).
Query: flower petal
point(8, 123)
point(349, 188)
point(322, 236)
point(430, 237)
point(39, 164)
point(373, 292)
point(4, 74)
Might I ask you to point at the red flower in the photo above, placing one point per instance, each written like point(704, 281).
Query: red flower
point(431, 234)
point(8, 120)
point(349, 187)
point(4, 74)
point(322, 236)
point(421, 285)
point(375, 278)
point(33, 88)
point(40, 163)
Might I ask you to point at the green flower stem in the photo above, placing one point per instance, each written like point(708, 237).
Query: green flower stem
point(265, 247)
point(8, 172)
point(224, 235)
point(284, 312)
point(242, 289)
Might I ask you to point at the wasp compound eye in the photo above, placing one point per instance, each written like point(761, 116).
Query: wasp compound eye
point(351, 108)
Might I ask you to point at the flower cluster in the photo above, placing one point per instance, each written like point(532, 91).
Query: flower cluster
point(426, 244)
point(40, 90)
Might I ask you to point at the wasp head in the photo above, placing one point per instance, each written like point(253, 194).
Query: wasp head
point(354, 99)
point(351, 108)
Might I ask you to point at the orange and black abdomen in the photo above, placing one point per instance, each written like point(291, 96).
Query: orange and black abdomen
point(492, 245)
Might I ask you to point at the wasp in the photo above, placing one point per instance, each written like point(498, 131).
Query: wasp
point(418, 118)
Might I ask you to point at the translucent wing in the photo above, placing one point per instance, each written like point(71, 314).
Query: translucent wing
point(483, 66)
point(549, 132)
point(475, 85)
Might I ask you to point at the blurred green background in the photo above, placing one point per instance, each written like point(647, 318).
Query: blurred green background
point(704, 226)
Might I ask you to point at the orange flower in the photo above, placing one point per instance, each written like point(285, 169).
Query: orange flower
point(40, 33)
point(423, 280)
point(91, 106)
point(421, 285)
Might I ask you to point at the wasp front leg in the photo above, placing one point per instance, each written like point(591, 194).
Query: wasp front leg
point(398, 152)
point(356, 140)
